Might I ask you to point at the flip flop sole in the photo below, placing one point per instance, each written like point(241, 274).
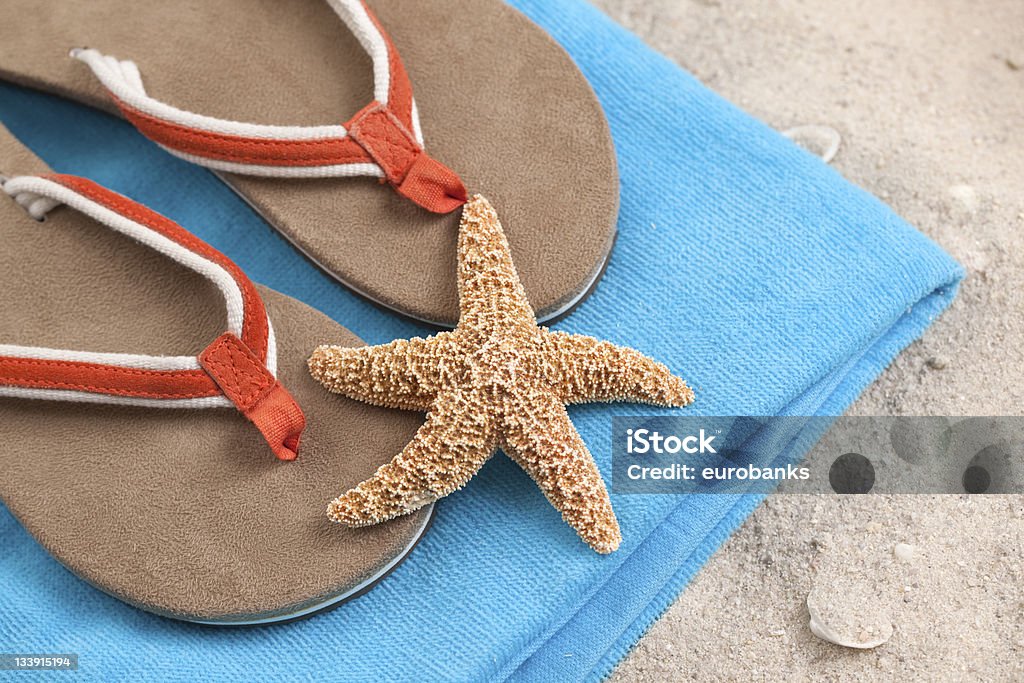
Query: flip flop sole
point(185, 513)
point(337, 600)
point(500, 102)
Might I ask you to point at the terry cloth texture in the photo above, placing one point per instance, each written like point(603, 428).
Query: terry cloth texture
point(743, 263)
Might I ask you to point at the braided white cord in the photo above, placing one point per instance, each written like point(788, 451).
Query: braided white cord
point(35, 205)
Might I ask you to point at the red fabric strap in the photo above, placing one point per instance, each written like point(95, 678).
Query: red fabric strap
point(112, 380)
point(409, 169)
point(386, 134)
point(256, 393)
point(242, 150)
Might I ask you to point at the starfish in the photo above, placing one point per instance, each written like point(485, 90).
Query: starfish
point(498, 380)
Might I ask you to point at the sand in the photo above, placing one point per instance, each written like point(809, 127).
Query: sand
point(928, 98)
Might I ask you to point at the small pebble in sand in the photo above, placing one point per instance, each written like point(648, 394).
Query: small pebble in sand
point(964, 197)
point(937, 363)
point(903, 552)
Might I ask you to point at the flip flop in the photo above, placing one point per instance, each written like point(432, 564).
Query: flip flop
point(504, 111)
point(152, 475)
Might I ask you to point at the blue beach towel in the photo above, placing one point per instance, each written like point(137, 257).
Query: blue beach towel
point(745, 264)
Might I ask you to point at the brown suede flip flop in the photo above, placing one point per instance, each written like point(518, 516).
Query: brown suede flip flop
point(138, 437)
point(306, 108)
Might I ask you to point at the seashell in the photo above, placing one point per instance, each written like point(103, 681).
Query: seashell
point(822, 141)
point(852, 619)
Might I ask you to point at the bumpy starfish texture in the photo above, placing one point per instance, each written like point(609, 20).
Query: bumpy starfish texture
point(498, 380)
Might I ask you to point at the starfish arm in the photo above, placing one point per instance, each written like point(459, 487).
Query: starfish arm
point(588, 369)
point(451, 446)
point(404, 374)
point(489, 287)
point(540, 437)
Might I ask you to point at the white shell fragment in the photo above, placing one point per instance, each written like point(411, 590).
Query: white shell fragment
point(822, 141)
point(903, 552)
point(963, 197)
point(850, 618)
